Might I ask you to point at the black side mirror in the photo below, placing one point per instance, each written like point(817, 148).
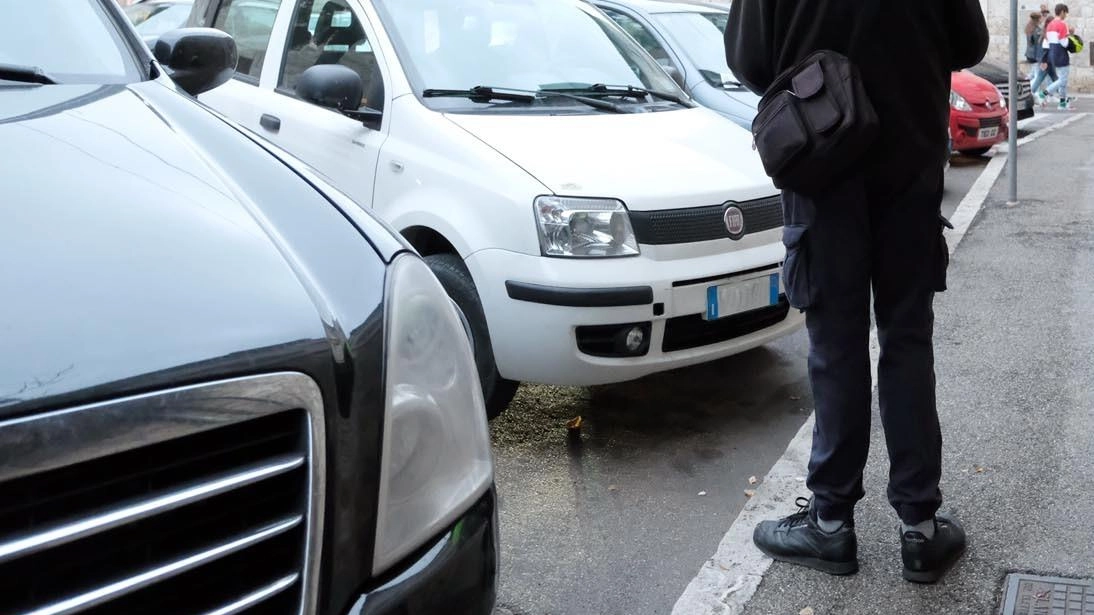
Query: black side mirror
point(197, 59)
point(337, 87)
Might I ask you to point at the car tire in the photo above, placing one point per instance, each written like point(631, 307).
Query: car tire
point(980, 151)
point(453, 275)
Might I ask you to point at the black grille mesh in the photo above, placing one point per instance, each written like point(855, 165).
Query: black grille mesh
point(704, 223)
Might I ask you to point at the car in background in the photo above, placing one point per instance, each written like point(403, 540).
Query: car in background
point(1000, 78)
point(978, 114)
point(152, 18)
point(592, 223)
point(688, 40)
point(224, 388)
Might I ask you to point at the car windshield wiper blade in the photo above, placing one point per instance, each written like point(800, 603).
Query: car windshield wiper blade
point(485, 93)
point(634, 92)
point(25, 74)
point(480, 93)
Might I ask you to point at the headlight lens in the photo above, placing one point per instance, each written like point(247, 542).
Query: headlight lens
point(1002, 99)
point(436, 450)
point(958, 102)
point(584, 228)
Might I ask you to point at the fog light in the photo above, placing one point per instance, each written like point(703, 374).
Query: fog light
point(622, 340)
point(635, 338)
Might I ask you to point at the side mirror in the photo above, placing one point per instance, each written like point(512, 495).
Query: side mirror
point(339, 88)
point(197, 59)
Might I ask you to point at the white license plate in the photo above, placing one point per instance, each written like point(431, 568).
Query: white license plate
point(736, 297)
point(989, 133)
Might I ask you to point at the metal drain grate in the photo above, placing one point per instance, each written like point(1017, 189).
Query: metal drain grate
point(1027, 594)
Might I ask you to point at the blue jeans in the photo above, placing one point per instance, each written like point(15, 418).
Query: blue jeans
point(1059, 87)
point(1041, 76)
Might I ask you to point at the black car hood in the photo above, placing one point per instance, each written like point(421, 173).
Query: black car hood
point(126, 250)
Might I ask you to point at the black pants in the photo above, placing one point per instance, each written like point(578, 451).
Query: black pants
point(839, 247)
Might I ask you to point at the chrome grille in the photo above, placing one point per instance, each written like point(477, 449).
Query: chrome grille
point(704, 223)
point(196, 500)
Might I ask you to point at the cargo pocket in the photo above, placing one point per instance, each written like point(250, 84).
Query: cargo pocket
point(797, 280)
point(942, 256)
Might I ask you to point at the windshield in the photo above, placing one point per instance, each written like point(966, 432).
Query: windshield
point(701, 37)
point(156, 19)
point(71, 41)
point(521, 44)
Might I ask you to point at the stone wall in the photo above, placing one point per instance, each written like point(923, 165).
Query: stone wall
point(1081, 16)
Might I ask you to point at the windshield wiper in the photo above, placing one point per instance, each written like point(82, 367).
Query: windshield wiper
point(480, 93)
point(483, 93)
point(24, 74)
point(630, 91)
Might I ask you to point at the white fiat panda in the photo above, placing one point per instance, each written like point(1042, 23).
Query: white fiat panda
point(591, 222)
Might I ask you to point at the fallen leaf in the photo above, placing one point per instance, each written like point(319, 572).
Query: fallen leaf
point(752, 480)
point(979, 470)
point(795, 397)
point(612, 488)
point(702, 493)
point(574, 423)
point(806, 611)
point(750, 492)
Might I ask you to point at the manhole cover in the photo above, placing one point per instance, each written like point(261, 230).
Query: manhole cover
point(1028, 594)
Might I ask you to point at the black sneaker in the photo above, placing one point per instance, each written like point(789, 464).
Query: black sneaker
point(926, 561)
point(798, 539)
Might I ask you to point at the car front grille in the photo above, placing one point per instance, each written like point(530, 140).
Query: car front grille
point(704, 223)
point(1024, 89)
point(684, 332)
point(991, 122)
point(198, 500)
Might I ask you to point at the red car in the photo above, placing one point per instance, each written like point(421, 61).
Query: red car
point(978, 114)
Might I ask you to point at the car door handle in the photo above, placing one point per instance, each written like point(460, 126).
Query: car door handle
point(270, 122)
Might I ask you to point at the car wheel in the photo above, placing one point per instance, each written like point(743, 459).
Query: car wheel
point(456, 280)
point(980, 151)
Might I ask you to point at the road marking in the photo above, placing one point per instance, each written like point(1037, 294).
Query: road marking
point(728, 580)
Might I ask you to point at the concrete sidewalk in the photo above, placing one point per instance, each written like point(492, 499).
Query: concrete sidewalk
point(1015, 365)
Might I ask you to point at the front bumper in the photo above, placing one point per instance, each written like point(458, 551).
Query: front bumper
point(535, 305)
point(457, 573)
point(965, 128)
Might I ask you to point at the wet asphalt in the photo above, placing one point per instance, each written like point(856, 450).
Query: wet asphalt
point(618, 518)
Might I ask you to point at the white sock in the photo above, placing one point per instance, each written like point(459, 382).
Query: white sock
point(926, 528)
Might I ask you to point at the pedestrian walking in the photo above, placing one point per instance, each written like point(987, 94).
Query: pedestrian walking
point(877, 230)
point(1034, 32)
point(1056, 35)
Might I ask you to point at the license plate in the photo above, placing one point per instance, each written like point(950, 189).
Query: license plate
point(735, 297)
point(989, 133)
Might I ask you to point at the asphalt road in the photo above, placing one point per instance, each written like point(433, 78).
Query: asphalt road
point(619, 520)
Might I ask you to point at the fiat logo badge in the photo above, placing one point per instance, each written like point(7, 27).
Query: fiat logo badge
point(734, 219)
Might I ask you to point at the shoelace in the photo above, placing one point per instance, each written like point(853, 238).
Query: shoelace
point(798, 518)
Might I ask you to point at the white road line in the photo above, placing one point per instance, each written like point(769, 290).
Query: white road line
point(728, 580)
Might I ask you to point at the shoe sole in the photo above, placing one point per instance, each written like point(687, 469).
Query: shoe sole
point(838, 569)
point(929, 577)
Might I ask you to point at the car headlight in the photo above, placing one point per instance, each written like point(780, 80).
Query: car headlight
point(436, 449)
point(1002, 99)
point(958, 102)
point(584, 228)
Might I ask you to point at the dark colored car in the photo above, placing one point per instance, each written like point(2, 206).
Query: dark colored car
point(1000, 78)
point(223, 387)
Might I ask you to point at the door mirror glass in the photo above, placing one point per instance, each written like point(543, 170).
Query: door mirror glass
point(197, 59)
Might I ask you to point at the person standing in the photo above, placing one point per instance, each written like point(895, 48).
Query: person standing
point(1056, 34)
point(877, 231)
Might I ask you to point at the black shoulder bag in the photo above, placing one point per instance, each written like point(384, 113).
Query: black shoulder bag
point(814, 124)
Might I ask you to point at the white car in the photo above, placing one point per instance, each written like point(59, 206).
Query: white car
point(592, 223)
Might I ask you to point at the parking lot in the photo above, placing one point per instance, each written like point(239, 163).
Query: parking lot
point(619, 517)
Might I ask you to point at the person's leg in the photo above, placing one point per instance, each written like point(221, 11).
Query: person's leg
point(1060, 82)
point(909, 262)
point(910, 266)
point(1065, 73)
point(827, 273)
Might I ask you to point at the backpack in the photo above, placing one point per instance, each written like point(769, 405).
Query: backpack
point(1075, 43)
